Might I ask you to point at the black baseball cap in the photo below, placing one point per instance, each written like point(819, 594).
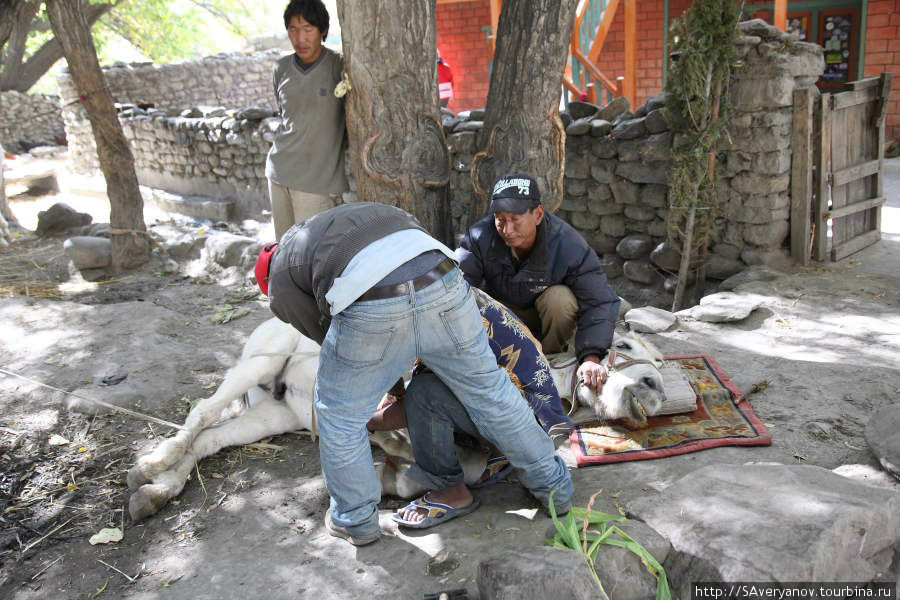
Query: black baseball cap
point(516, 193)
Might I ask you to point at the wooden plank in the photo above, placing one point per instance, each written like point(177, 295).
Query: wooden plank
point(847, 99)
point(824, 116)
point(862, 84)
point(609, 16)
point(630, 90)
point(779, 19)
point(855, 245)
point(886, 82)
point(801, 174)
point(856, 172)
point(596, 74)
point(856, 207)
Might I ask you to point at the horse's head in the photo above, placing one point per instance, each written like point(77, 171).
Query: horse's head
point(634, 389)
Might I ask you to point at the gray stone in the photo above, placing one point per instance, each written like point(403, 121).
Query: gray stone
point(228, 250)
point(602, 171)
point(777, 258)
point(656, 121)
point(59, 218)
point(96, 230)
point(476, 114)
point(566, 118)
point(657, 228)
point(630, 129)
point(449, 123)
point(730, 523)
point(649, 319)
point(469, 126)
point(612, 265)
point(578, 166)
point(725, 306)
point(641, 271)
point(754, 183)
point(534, 574)
point(613, 109)
point(761, 29)
point(600, 242)
point(624, 191)
point(599, 192)
point(463, 115)
point(574, 203)
point(255, 113)
point(581, 110)
point(767, 235)
point(579, 126)
point(640, 213)
point(883, 437)
point(655, 195)
point(657, 102)
point(623, 574)
point(641, 172)
point(585, 220)
point(184, 246)
point(634, 246)
point(88, 252)
point(576, 187)
point(604, 147)
point(772, 163)
point(722, 267)
point(666, 257)
point(462, 143)
point(613, 225)
point(601, 128)
point(751, 274)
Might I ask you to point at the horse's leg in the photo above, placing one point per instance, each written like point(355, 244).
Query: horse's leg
point(264, 356)
point(268, 417)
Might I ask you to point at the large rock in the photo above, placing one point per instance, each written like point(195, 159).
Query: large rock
point(88, 252)
point(614, 109)
point(229, 250)
point(883, 436)
point(635, 246)
point(769, 523)
point(630, 129)
point(622, 573)
point(755, 273)
point(725, 306)
point(59, 218)
point(722, 267)
point(665, 256)
point(641, 271)
point(581, 110)
point(534, 574)
point(645, 172)
point(649, 319)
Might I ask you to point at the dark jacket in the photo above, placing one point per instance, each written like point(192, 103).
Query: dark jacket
point(560, 256)
point(314, 253)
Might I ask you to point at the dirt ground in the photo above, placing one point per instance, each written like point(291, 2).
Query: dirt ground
point(823, 353)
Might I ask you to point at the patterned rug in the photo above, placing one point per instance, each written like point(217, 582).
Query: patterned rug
point(723, 418)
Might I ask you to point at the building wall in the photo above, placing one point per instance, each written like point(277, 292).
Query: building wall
point(883, 54)
point(468, 49)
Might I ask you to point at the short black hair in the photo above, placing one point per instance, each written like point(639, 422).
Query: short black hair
point(313, 11)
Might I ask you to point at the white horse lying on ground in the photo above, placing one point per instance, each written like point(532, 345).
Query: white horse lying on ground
point(270, 392)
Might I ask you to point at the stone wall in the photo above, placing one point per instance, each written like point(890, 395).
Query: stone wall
point(237, 79)
point(27, 121)
point(618, 165)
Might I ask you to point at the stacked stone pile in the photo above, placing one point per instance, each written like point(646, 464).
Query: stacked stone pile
point(28, 121)
point(236, 79)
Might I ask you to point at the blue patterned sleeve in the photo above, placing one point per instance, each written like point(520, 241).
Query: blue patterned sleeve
point(517, 352)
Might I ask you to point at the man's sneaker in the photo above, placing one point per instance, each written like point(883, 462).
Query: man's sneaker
point(341, 532)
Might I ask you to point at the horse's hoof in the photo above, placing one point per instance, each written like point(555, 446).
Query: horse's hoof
point(146, 501)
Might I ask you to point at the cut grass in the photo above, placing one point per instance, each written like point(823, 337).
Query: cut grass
point(587, 541)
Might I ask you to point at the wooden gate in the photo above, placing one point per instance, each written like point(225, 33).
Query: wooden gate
point(837, 169)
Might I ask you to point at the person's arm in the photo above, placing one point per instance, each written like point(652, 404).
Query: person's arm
point(469, 259)
point(300, 310)
point(598, 309)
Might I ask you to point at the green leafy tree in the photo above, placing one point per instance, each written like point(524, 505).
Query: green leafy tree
point(162, 30)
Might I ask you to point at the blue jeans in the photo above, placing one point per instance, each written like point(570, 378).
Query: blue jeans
point(370, 345)
point(433, 416)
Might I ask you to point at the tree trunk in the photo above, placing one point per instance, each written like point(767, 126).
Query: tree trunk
point(4, 206)
point(398, 152)
point(522, 130)
point(130, 242)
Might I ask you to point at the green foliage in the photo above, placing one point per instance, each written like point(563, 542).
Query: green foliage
point(598, 528)
point(704, 43)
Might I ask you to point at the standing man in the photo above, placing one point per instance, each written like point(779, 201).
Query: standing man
point(542, 269)
point(305, 165)
point(376, 291)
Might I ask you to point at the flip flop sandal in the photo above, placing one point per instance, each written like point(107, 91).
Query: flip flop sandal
point(436, 514)
point(498, 469)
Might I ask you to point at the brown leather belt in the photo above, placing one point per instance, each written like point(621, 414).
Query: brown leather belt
point(401, 289)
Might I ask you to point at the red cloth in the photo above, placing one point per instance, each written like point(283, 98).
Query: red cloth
point(445, 80)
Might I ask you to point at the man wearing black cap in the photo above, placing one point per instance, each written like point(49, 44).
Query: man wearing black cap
point(542, 269)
